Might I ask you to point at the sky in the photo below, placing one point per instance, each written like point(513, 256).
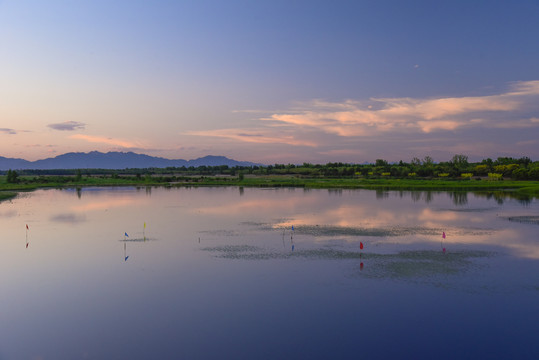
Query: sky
point(270, 81)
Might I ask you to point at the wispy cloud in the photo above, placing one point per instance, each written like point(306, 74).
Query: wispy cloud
point(105, 140)
point(396, 127)
point(351, 118)
point(8, 131)
point(68, 126)
point(266, 136)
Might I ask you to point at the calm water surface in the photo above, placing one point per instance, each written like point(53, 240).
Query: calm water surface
point(213, 273)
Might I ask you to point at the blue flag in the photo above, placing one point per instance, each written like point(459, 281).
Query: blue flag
point(126, 235)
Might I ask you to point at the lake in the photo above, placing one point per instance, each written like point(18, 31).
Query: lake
point(287, 273)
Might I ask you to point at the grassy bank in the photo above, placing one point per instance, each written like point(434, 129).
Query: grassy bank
point(6, 195)
point(530, 187)
point(522, 188)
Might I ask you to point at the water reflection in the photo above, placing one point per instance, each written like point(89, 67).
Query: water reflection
point(8, 213)
point(382, 194)
point(125, 252)
point(353, 214)
point(459, 197)
point(68, 218)
point(389, 221)
point(279, 273)
point(501, 196)
point(133, 241)
point(426, 196)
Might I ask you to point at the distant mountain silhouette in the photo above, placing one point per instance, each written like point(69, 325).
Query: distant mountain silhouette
point(114, 160)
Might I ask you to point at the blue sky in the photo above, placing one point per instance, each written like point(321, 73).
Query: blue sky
point(272, 82)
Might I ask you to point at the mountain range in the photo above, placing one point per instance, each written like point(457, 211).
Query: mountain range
point(114, 160)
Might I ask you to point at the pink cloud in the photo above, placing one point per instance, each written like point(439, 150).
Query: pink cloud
point(259, 137)
point(330, 127)
point(350, 118)
point(104, 140)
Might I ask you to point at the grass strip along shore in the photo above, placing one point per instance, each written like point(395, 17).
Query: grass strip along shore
point(520, 189)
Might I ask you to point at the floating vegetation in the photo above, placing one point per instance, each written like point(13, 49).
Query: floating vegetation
point(365, 231)
point(389, 231)
point(137, 240)
point(220, 232)
point(527, 219)
point(420, 266)
point(249, 252)
point(233, 248)
point(426, 264)
point(245, 252)
point(471, 210)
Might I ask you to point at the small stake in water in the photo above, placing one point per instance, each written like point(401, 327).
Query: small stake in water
point(125, 253)
point(27, 236)
point(291, 238)
point(442, 243)
point(361, 256)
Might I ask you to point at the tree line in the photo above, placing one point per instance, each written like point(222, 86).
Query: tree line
point(457, 168)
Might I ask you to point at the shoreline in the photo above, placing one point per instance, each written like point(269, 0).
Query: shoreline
point(519, 189)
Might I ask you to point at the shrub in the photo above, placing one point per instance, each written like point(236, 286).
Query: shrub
point(533, 174)
point(481, 169)
point(519, 174)
point(495, 176)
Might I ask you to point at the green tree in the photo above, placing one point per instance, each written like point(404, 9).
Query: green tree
point(459, 161)
point(78, 176)
point(533, 173)
point(520, 174)
point(428, 161)
point(12, 177)
point(459, 164)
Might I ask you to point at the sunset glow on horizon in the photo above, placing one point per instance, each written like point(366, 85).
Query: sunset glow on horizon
point(270, 82)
